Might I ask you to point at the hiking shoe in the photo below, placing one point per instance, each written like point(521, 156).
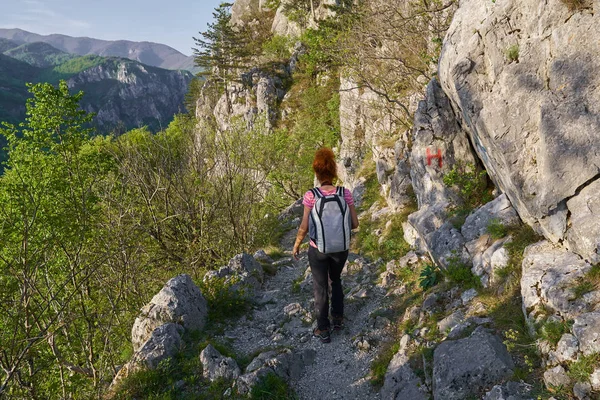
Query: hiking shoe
point(338, 323)
point(322, 334)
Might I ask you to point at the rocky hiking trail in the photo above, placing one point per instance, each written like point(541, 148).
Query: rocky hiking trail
point(282, 318)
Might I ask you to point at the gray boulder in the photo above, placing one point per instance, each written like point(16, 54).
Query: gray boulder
point(556, 377)
point(464, 367)
point(583, 236)
point(215, 366)
point(246, 264)
point(524, 81)
point(567, 348)
point(510, 391)
point(284, 363)
point(164, 342)
point(587, 330)
point(401, 382)
point(549, 273)
point(477, 222)
point(179, 301)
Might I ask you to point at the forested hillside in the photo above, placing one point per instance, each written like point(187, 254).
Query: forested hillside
point(124, 94)
point(467, 134)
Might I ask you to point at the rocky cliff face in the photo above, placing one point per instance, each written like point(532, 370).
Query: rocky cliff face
point(126, 95)
point(523, 83)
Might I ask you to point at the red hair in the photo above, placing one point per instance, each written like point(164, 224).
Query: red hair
point(324, 165)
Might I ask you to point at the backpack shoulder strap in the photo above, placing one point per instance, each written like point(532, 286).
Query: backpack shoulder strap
point(340, 191)
point(317, 193)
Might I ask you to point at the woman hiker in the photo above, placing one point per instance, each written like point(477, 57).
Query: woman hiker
point(329, 232)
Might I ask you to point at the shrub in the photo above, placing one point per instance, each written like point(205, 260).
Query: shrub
point(497, 229)
point(471, 187)
point(224, 298)
point(277, 47)
point(512, 53)
point(460, 273)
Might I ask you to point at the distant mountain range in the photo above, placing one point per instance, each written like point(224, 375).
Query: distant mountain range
point(153, 54)
point(124, 93)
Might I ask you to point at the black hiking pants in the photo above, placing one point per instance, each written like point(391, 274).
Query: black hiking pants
point(327, 268)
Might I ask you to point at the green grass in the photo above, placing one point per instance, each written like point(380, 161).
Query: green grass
point(552, 331)
point(272, 387)
point(580, 370)
point(496, 229)
point(224, 302)
point(391, 246)
point(460, 274)
point(589, 283)
point(471, 186)
point(380, 364)
point(522, 236)
point(512, 53)
point(161, 383)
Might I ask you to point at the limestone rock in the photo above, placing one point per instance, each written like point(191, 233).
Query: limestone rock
point(533, 117)
point(587, 330)
point(164, 342)
point(261, 256)
point(557, 377)
point(510, 391)
point(367, 120)
point(282, 25)
point(584, 233)
point(245, 263)
point(448, 323)
point(458, 371)
point(179, 301)
point(401, 382)
point(477, 222)
point(215, 366)
point(548, 273)
point(595, 379)
point(567, 348)
point(285, 364)
point(436, 132)
point(582, 390)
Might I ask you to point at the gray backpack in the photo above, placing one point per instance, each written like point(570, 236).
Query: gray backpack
point(329, 224)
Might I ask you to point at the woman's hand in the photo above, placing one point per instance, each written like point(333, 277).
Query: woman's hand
point(296, 251)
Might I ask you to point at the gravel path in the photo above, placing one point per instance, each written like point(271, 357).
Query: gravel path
point(282, 316)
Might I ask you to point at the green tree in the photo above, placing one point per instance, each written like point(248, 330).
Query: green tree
point(48, 209)
point(222, 50)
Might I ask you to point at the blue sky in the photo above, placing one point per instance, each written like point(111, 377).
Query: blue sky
point(173, 23)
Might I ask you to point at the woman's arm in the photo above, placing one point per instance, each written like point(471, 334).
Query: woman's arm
point(302, 231)
point(353, 216)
